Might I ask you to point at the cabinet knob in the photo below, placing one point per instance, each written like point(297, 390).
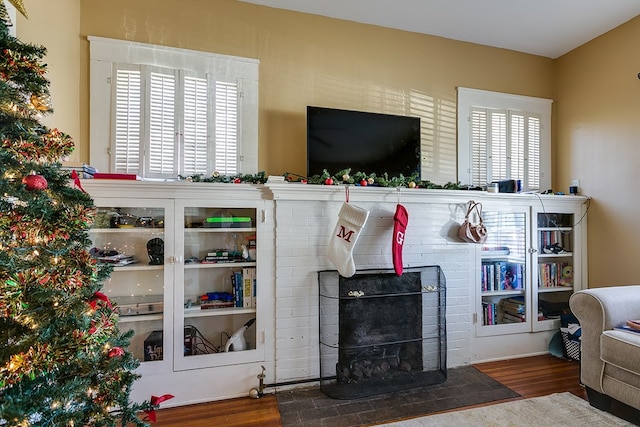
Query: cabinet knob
point(532, 250)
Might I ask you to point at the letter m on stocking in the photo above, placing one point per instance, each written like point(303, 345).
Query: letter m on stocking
point(344, 234)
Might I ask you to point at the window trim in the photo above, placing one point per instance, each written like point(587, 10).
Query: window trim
point(468, 98)
point(106, 53)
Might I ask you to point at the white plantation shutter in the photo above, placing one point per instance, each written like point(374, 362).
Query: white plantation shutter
point(497, 144)
point(503, 143)
point(196, 126)
point(532, 164)
point(517, 145)
point(500, 144)
point(226, 123)
point(127, 122)
point(479, 138)
point(176, 124)
point(171, 111)
point(162, 155)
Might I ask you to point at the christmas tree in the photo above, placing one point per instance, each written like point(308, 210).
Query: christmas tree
point(63, 360)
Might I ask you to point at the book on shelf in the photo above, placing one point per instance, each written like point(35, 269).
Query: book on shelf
point(512, 306)
point(502, 276)
point(216, 304)
point(489, 313)
point(513, 318)
point(248, 278)
point(246, 288)
point(511, 276)
point(513, 309)
point(554, 274)
point(83, 170)
point(243, 287)
point(554, 237)
point(236, 288)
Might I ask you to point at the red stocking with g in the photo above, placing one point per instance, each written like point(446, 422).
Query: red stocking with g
point(400, 221)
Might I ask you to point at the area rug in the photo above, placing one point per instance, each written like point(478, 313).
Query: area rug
point(464, 386)
point(554, 410)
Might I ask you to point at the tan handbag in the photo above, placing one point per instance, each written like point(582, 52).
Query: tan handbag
point(472, 229)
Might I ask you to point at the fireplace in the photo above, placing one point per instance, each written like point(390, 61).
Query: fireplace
point(380, 332)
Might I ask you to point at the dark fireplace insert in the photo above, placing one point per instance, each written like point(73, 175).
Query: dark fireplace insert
point(380, 332)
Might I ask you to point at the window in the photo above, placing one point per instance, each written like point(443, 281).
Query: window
point(161, 112)
point(502, 136)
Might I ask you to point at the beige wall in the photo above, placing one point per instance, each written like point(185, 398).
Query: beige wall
point(598, 134)
point(56, 25)
point(309, 60)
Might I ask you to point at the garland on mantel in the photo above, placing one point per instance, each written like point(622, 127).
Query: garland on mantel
point(259, 178)
point(342, 177)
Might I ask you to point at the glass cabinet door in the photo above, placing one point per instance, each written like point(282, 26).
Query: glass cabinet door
point(133, 239)
point(503, 303)
point(215, 299)
point(555, 273)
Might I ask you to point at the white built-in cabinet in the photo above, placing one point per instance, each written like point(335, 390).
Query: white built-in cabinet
point(533, 260)
point(182, 254)
point(185, 342)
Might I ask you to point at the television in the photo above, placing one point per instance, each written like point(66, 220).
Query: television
point(364, 142)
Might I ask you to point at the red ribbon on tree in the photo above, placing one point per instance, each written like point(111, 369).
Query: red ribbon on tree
point(156, 400)
point(99, 296)
point(115, 352)
point(76, 180)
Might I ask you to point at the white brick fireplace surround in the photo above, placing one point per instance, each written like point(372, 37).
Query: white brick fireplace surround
point(304, 217)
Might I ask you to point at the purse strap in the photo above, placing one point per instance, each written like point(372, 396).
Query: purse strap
point(469, 209)
point(478, 207)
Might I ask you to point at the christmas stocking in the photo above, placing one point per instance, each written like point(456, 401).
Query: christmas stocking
point(400, 221)
point(351, 219)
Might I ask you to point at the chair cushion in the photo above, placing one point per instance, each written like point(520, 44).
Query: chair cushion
point(621, 349)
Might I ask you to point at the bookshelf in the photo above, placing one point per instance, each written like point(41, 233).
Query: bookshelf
point(503, 279)
point(555, 262)
point(531, 263)
point(182, 302)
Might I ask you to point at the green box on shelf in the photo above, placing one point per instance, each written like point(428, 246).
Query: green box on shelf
point(228, 222)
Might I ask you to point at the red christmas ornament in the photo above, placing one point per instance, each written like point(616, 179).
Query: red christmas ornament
point(35, 182)
point(115, 352)
point(237, 181)
point(364, 183)
point(328, 181)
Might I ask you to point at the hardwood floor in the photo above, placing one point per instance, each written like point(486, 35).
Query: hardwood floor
point(536, 376)
point(239, 412)
point(530, 377)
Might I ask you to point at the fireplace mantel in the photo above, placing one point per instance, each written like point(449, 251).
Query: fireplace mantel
point(357, 193)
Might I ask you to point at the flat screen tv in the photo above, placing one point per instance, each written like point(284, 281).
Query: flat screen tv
point(365, 142)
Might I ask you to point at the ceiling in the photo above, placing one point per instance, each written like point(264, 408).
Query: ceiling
point(547, 28)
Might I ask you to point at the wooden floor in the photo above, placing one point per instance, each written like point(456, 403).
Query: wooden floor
point(536, 376)
point(529, 377)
